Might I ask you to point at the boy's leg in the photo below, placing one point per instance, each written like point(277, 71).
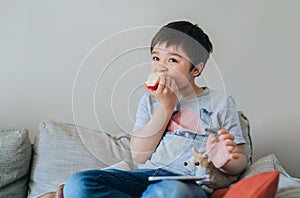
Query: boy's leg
point(174, 189)
point(107, 183)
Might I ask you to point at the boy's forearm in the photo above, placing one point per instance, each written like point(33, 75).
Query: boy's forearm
point(144, 142)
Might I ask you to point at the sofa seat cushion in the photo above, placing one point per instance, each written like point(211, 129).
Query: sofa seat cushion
point(15, 156)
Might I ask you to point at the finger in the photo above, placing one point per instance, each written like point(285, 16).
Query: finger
point(173, 85)
point(234, 156)
point(226, 137)
point(228, 142)
point(212, 138)
point(229, 148)
point(161, 85)
point(168, 82)
point(223, 132)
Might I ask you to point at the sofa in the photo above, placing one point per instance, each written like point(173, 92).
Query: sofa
point(60, 149)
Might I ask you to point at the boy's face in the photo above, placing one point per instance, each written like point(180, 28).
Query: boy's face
point(174, 63)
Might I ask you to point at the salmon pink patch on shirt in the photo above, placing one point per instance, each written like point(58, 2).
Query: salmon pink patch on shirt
point(185, 119)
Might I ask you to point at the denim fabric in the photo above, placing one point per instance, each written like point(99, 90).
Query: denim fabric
point(118, 183)
point(174, 189)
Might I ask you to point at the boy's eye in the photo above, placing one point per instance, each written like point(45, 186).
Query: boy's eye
point(155, 58)
point(173, 60)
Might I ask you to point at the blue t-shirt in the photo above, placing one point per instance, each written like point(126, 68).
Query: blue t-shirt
point(210, 109)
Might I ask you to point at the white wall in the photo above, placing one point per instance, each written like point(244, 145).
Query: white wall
point(43, 43)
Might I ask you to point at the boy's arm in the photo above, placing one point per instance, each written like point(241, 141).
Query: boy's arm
point(225, 154)
point(144, 142)
point(237, 164)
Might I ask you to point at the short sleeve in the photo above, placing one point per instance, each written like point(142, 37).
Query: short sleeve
point(143, 113)
point(232, 122)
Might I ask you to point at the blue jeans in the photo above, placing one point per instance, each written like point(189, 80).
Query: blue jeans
point(134, 183)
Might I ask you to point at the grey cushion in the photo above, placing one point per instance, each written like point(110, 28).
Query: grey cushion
point(246, 134)
point(15, 155)
point(62, 149)
point(288, 186)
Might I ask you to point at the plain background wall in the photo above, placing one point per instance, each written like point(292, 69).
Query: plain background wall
point(46, 55)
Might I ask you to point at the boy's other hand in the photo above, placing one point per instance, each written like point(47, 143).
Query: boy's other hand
point(220, 149)
point(165, 92)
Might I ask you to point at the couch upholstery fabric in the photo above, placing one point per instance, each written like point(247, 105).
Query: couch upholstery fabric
point(61, 149)
point(287, 187)
point(15, 155)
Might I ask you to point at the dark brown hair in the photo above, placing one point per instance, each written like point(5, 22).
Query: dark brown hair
point(191, 38)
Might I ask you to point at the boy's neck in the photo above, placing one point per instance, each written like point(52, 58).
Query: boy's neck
point(190, 92)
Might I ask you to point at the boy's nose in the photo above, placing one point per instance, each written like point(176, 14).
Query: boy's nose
point(160, 68)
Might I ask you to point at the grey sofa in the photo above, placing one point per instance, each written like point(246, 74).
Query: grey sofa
point(60, 149)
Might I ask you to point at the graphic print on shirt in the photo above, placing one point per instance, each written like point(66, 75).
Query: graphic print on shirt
point(205, 116)
point(185, 119)
point(189, 120)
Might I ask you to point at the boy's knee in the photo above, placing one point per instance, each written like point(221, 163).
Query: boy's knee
point(76, 184)
point(165, 188)
point(174, 188)
point(77, 179)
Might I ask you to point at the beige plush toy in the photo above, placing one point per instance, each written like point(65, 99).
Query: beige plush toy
point(202, 166)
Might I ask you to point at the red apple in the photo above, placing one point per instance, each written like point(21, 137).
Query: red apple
point(153, 81)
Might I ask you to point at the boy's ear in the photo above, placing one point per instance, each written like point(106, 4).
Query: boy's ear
point(198, 69)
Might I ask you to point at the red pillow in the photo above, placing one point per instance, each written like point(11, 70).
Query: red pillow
point(261, 185)
point(220, 193)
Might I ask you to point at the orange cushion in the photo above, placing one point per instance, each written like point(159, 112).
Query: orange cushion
point(261, 185)
point(220, 193)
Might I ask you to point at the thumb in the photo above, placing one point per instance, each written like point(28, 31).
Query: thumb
point(212, 138)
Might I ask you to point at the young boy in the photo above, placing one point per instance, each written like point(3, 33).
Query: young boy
point(169, 122)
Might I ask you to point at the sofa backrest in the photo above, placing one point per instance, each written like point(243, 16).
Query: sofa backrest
point(15, 155)
point(62, 149)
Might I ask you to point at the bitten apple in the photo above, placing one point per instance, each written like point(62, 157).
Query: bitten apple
point(153, 81)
